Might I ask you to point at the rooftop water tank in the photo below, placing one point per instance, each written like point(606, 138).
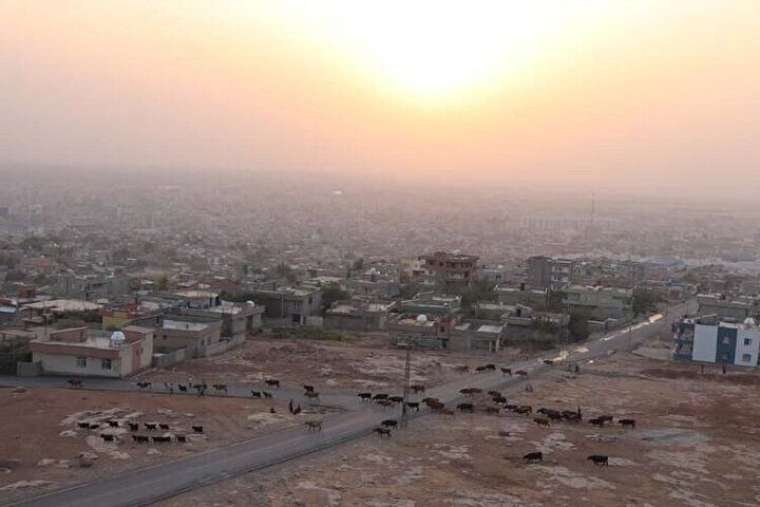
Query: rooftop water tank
point(117, 339)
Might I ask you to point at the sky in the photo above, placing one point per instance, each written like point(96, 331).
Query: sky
point(626, 94)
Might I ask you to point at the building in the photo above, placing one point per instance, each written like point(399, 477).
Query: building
point(238, 320)
point(450, 269)
point(599, 303)
point(431, 304)
point(710, 340)
point(288, 304)
point(736, 310)
point(198, 335)
point(357, 316)
point(83, 352)
point(548, 273)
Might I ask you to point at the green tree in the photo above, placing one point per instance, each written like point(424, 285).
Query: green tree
point(644, 301)
point(332, 293)
point(578, 327)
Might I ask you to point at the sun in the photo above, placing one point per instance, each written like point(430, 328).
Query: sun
point(437, 50)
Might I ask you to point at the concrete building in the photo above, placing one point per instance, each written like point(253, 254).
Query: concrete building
point(238, 320)
point(82, 352)
point(357, 316)
point(710, 340)
point(451, 270)
point(599, 303)
point(198, 335)
point(289, 305)
point(734, 309)
point(431, 304)
point(548, 273)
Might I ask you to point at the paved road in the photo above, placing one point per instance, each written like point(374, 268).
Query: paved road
point(146, 486)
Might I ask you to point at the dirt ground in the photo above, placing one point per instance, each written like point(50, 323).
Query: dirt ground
point(363, 364)
point(42, 442)
point(696, 444)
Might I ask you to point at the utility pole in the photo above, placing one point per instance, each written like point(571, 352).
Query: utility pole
point(407, 380)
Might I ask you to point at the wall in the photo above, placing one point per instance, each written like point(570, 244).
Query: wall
point(170, 358)
point(67, 365)
point(753, 335)
point(705, 343)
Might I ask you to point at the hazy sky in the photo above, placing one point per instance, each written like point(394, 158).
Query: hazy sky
point(598, 93)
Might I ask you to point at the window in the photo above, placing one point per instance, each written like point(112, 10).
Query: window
point(748, 341)
point(746, 358)
point(105, 364)
point(726, 340)
point(81, 362)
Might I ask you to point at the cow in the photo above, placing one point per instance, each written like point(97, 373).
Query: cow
point(570, 416)
point(436, 405)
point(469, 391)
point(382, 432)
point(141, 438)
point(182, 388)
point(307, 388)
point(134, 427)
point(220, 388)
point(73, 382)
point(541, 421)
point(418, 388)
point(181, 438)
point(164, 426)
point(145, 385)
point(533, 457)
point(606, 418)
point(385, 403)
point(272, 382)
point(255, 394)
point(628, 423)
point(494, 393)
point(521, 373)
point(365, 396)
point(94, 426)
point(499, 399)
point(108, 438)
point(413, 404)
point(548, 362)
point(524, 409)
point(389, 423)
point(313, 425)
point(511, 407)
point(266, 394)
point(113, 424)
point(151, 426)
point(380, 396)
point(599, 459)
point(506, 371)
point(162, 439)
point(466, 407)
point(597, 421)
point(84, 425)
point(396, 399)
point(198, 429)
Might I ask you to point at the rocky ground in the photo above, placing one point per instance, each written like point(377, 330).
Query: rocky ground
point(42, 445)
point(362, 364)
point(696, 444)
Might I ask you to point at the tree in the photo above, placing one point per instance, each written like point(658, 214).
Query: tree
point(163, 282)
point(332, 293)
point(644, 301)
point(578, 327)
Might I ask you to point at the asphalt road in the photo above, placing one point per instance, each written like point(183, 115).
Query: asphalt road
point(149, 485)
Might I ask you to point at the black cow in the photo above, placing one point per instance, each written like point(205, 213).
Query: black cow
point(84, 425)
point(524, 409)
point(499, 399)
point(181, 438)
point(307, 388)
point(380, 396)
point(164, 427)
point(182, 388)
point(113, 424)
point(533, 457)
point(383, 432)
point(396, 399)
point(365, 396)
point(267, 394)
point(466, 407)
point(255, 394)
point(220, 387)
point(151, 426)
point(107, 438)
point(390, 423)
point(628, 423)
point(272, 382)
point(521, 373)
point(74, 382)
point(198, 429)
point(541, 421)
point(134, 426)
point(141, 438)
point(506, 371)
point(162, 439)
point(599, 459)
point(413, 404)
point(597, 421)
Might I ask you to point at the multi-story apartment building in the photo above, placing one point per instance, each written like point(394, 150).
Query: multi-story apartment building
point(451, 269)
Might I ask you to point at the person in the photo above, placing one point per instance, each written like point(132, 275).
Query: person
point(577, 368)
point(724, 368)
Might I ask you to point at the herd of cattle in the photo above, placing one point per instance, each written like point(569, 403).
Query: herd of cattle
point(135, 427)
